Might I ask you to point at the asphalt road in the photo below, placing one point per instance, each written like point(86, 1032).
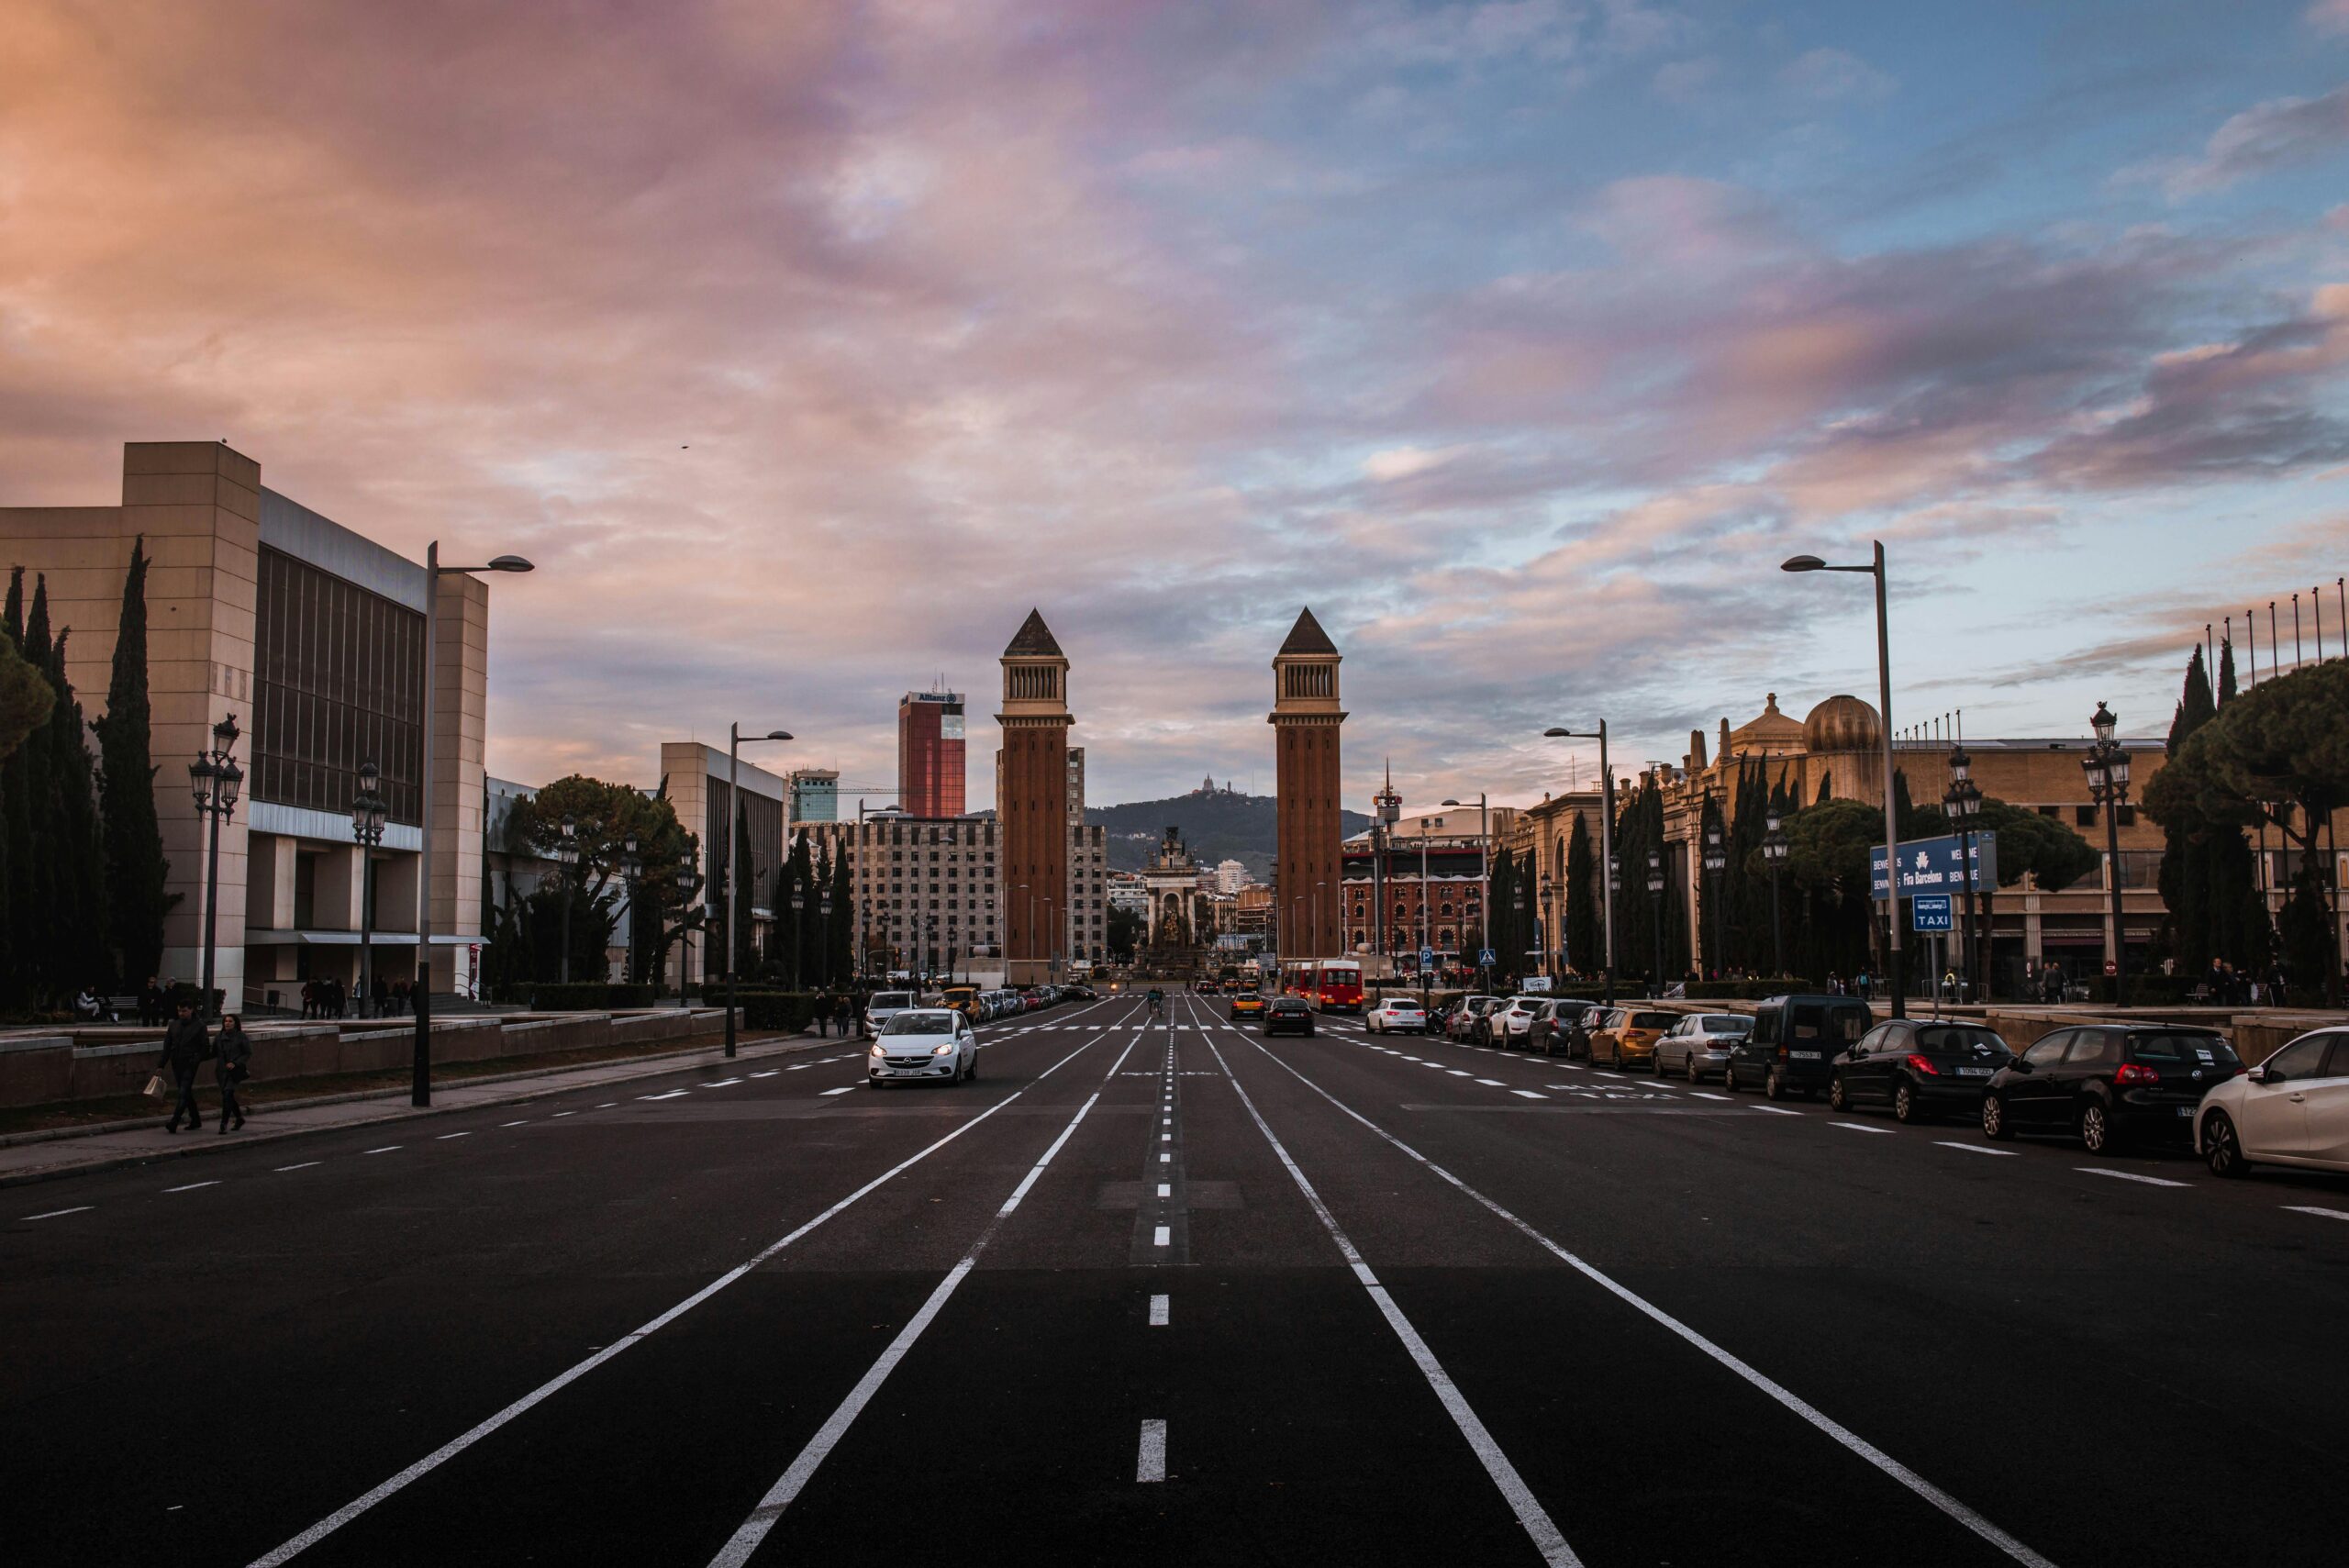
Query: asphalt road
point(1175, 1294)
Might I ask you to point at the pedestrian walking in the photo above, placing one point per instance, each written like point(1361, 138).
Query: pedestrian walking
point(380, 994)
point(864, 1024)
point(843, 1013)
point(823, 1014)
point(186, 1047)
point(233, 1053)
point(151, 1005)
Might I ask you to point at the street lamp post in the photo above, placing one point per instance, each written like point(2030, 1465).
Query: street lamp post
point(566, 855)
point(824, 935)
point(2107, 767)
point(798, 908)
point(420, 1060)
point(1715, 859)
point(631, 864)
point(734, 869)
point(1549, 935)
point(1773, 850)
point(1484, 887)
point(1963, 801)
point(1655, 899)
point(688, 883)
point(213, 778)
point(1606, 853)
point(367, 814)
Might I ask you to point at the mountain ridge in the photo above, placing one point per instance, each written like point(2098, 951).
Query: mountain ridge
point(1217, 824)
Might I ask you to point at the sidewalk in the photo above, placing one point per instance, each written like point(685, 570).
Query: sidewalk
point(38, 1157)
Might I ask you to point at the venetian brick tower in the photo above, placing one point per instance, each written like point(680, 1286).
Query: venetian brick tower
point(1032, 803)
point(1306, 719)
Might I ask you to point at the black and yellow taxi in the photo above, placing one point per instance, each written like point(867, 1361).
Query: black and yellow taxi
point(1247, 1005)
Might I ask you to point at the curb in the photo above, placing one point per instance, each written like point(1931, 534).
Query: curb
point(198, 1148)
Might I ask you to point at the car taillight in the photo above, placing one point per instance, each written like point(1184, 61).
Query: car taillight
point(2135, 1074)
point(1782, 1054)
point(1923, 1064)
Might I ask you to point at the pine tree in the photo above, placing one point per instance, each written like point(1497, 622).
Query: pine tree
point(136, 870)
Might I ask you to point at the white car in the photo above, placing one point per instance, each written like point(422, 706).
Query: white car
point(2292, 1109)
point(883, 1005)
point(1510, 1022)
point(924, 1043)
point(1397, 1013)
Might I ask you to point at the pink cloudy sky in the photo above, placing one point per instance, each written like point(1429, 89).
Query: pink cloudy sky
point(806, 346)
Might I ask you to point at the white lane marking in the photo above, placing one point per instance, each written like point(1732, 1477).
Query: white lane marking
point(752, 1530)
point(506, 1124)
point(566, 1113)
point(1703, 1095)
point(61, 1213)
point(1165, 1159)
point(2289, 1208)
point(2127, 1176)
point(446, 1136)
point(457, 1445)
point(1165, 1137)
point(608, 1105)
point(1975, 1148)
point(192, 1186)
point(1777, 1110)
point(1163, 1236)
point(302, 1166)
point(799, 1067)
point(1546, 1537)
point(670, 1096)
point(1460, 1073)
point(721, 1083)
point(768, 1073)
point(1165, 1189)
point(1819, 1419)
point(1492, 1083)
point(1860, 1127)
point(386, 1148)
point(1531, 1094)
point(1149, 1460)
point(843, 1089)
point(1158, 1311)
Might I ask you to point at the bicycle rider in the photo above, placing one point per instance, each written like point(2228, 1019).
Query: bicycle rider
point(1157, 1002)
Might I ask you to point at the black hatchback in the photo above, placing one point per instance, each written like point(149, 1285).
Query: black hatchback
point(2110, 1084)
point(1793, 1043)
point(1289, 1014)
point(1919, 1067)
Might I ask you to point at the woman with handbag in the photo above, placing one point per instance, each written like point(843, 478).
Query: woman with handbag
point(235, 1049)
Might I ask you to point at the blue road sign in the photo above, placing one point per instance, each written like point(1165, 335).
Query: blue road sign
point(1937, 866)
point(1486, 958)
point(1933, 912)
point(1427, 957)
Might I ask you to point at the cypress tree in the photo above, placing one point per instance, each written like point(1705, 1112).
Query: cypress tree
point(843, 926)
point(1585, 937)
point(801, 880)
point(35, 857)
point(2187, 864)
point(2242, 931)
point(15, 818)
point(136, 870)
point(78, 857)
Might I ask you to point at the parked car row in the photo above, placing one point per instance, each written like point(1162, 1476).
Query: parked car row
point(978, 1007)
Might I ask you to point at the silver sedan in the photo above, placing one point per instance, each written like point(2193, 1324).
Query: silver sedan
point(1698, 1046)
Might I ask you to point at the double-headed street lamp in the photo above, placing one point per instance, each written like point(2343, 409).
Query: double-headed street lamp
point(689, 882)
point(367, 814)
point(2107, 767)
point(1894, 961)
point(632, 866)
point(566, 855)
point(1655, 899)
point(420, 1066)
point(214, 778)
point(1715, 859)
point(1606, 852)
point(1963, 801)
point(736, 873)
point(1773, 850)
point(1549, 941)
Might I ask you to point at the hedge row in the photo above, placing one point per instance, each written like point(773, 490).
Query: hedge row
point(790, 1011)
point(578, 996)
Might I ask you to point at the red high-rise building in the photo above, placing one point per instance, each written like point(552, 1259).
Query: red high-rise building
point(1305, 720)
point(930, 754)
point(1033, 804)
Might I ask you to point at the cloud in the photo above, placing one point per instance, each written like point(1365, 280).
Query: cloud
point(1835, 77)
point(2330, 16)
point(2267, 136)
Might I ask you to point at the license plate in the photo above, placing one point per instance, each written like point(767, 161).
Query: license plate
point(2186, 1110)
point(1974, 1071)
point(1803, 1055)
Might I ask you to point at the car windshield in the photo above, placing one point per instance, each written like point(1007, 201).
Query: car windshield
point(1960, 1039)
point(1653, 1021)
point(891, 999)
point(920, 1023)
point(2186, 1050)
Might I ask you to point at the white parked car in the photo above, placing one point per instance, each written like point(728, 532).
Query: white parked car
point(2292, 1109)
point(1396, 1013)
point(924, 1043)
point(1510, 1024)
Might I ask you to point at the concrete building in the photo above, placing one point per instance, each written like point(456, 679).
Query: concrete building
point(1306, 721)
point(695, 774)
point(815, 795)
point(1127, 891)
point(312, 637)
point(930, 754)
point(1230, 876)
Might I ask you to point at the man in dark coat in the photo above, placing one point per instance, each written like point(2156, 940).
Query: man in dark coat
point(186, 1047)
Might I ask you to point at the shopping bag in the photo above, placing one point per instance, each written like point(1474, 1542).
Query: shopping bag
point(154, 1089)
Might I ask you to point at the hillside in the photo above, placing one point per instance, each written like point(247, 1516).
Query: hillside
point(1217, 827)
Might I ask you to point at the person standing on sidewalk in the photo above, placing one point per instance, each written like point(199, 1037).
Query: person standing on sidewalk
point(233, 1052)
point(186, 1047)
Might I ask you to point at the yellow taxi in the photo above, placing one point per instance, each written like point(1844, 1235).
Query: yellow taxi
point(965, 999)
point(1247, 1005)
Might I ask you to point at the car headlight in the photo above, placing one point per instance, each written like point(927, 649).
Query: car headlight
point(876, 1052)
point(949, 1049)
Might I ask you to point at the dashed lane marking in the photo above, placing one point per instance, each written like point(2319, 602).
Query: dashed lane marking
point(506, 1124)
point(84, 1209)
point(1704, 1096)
point(1159, 1310)
point(843, 1089)
point(1149, 1460)
point(302, 1166)
point(2289, 1208)
point(768, 1073)
point(1162, 1236)
point(1861, 1126)
point(446, 1136)
point(1975, 1148)
point(2127, 1176)
point(192, 1186)
point(1777, 1110)
point(721, 1083)
point(1530, 1093)
point(388, 1147)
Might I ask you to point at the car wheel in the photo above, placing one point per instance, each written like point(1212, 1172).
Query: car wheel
point(972, 1076)
point(1774, 1087)
point(1695, 1073)
point(1995, 1125)
point(1839, 1096)
point(1905, 1107)
point(2097, 1131)
point(2221, 1150)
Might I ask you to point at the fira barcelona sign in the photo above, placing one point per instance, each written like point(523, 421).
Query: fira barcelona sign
point(1938, 865)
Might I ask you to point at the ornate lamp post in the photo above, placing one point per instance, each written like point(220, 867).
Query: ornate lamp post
point(632, 866)
point(2107, 767)
point(688, 883)
point(1655, 899)
point(1963, 801)
point(367, 814)
point(798, 908)
point(1548, 936)
point(566, 855)
point(737, 863)
point(1715, 859)
point(213, 778)
point(1774, 850)
point(824, 934)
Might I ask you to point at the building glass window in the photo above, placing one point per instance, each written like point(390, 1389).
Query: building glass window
point(338, 681)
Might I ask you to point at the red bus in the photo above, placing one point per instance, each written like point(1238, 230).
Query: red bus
point(1330, 985)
